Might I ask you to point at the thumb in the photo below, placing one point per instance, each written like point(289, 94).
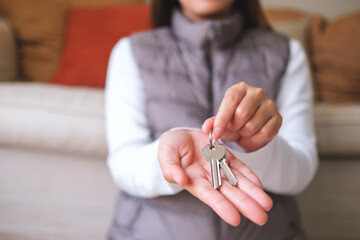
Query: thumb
point(169, 158)
point(208, 125)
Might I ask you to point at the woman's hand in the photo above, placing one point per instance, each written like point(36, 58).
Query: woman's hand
point(247, 116)
point(181, 162)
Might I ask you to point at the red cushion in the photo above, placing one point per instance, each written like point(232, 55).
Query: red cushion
point(90, 35)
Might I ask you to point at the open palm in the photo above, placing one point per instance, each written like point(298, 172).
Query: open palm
point(181, 162)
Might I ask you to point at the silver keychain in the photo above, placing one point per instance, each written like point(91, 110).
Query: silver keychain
point(216, 155)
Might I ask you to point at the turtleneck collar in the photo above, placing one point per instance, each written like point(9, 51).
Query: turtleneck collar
point(206, 34)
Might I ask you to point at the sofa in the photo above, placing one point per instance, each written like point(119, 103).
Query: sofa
point(54, 181)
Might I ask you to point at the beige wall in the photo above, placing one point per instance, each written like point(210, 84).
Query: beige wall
point(328, 8)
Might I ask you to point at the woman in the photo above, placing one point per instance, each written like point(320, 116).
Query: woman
point(216, 65)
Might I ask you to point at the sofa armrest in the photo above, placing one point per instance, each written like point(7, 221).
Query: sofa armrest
point(52, 118)
point(8, 65)
point(338, 129)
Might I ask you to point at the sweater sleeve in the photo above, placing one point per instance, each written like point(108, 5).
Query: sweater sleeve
point(287, 164)
point(132, 156)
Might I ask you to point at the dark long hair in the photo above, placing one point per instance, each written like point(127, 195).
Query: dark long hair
point(251, 11)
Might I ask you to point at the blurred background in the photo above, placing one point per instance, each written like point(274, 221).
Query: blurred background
point(54, 182)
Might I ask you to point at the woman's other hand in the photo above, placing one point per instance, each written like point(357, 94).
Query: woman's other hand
point(181, 162)
point(247, 116)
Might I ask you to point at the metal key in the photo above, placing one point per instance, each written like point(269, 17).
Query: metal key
point(230, 176)
point(214, 153)
point(226, 169)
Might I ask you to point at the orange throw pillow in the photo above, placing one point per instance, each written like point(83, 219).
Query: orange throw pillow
point(91, 33)
point(336, 58)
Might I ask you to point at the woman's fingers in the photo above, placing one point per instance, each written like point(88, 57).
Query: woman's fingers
point(243, 169)
point(228, 201)
point(245, 204)
point(253, 191)
point(249, 183)
point(208, 125)
point(247, 196)
point(244, 109)
point(263, 136)
point(247, 108)
point(202, 189)
point(228, 106)
point(256, 122)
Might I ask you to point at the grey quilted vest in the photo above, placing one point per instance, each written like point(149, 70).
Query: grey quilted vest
point(186, 70)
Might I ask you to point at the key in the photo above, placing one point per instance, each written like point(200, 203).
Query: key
point(230, 176)
point(214, 153)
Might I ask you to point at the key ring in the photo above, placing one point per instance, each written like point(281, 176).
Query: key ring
point(211, 140)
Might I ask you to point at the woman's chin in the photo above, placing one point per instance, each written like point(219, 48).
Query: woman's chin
point(207, 9)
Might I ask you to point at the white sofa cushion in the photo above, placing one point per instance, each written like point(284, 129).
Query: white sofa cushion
point(52, 117)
